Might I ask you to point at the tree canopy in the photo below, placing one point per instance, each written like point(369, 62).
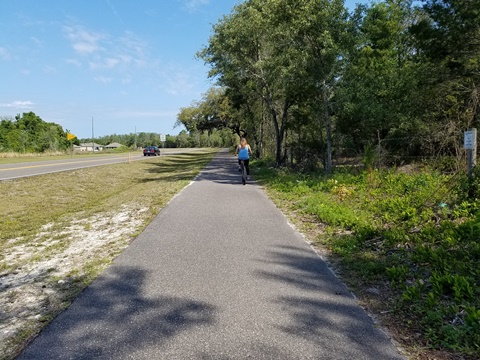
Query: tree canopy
point(29, 133)
point(305, 79)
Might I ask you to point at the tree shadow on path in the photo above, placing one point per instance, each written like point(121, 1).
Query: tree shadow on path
point(112, 319)
point(321, 308)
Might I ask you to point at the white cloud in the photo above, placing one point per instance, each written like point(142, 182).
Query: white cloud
point(177, 83)
point(108, 63)
point(74, 62)
point(47, 69)
point(84, 42)
point(132, 46)
point(111, 57)
point(107, 52)
point(4, 54)
point(115, 12)
point(18, 105)
point(36, 41)
point(193, 5)
point(103, 79)
point(85, 48)
point(111, 63)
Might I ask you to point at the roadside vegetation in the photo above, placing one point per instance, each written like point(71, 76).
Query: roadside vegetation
point(59, 231)
point(407, 244)
point(29, 136)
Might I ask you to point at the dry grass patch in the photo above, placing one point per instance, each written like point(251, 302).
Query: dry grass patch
point(14, 158)
point(59, 231)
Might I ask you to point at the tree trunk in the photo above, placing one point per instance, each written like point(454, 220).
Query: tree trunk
point(278, 137)
point(278, 131)
point(328, 125)
point(260, 151)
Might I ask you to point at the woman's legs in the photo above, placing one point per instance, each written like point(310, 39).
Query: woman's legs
point(248, 167)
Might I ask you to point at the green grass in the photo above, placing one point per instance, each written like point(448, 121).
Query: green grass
point(414, 237)
point(18, 158)
point(14, 158)
point(37, 201)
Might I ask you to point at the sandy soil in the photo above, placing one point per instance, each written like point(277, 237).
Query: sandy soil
point(51, 268)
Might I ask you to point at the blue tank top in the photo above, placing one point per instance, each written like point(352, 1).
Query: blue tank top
point(243, 153)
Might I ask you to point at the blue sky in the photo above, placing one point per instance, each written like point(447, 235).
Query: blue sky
point(127, 64)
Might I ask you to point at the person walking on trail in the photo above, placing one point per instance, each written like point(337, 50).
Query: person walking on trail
point(243, 151)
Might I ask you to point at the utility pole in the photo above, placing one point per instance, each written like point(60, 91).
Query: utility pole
point(93, 139)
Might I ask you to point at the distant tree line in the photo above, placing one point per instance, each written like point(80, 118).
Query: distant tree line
point(28, 133)
point(308, 82)
point(217, 138)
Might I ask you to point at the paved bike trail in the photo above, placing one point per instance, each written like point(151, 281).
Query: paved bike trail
point(218, 274)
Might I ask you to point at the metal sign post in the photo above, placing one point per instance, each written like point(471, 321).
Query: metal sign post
point(470, 144)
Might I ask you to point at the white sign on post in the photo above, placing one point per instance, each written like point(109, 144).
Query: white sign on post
point(162, 137)
point(469, 140)
point(470, 144)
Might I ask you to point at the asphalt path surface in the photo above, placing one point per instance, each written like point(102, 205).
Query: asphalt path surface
point(34, 168)
point(218, 274)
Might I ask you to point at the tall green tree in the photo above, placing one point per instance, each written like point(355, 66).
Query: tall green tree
point(213, 111)
point(377, 90)
point(242, 51)
point(272, 49)
point(447, 42)
point(321, 36)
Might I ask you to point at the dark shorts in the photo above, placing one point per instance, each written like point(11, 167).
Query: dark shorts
point(246, 165)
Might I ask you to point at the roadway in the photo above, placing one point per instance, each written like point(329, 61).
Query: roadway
point(220, 274)
point(33, 168)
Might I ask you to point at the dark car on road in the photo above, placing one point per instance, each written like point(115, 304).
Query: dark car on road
point(151, 150)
